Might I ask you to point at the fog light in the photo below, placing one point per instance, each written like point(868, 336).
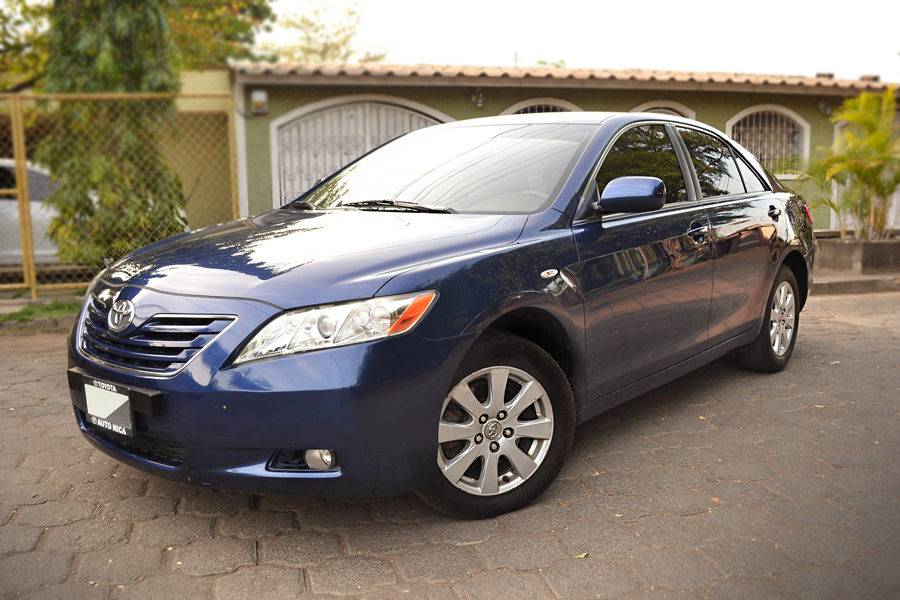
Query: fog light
point(320, 460)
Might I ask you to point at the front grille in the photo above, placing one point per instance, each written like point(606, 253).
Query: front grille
point(163, 345)
point(158, 451)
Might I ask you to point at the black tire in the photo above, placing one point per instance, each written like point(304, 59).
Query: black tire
point(769, 353)
point(472, 495)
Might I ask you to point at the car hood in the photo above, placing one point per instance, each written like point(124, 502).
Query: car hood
point(290, 258)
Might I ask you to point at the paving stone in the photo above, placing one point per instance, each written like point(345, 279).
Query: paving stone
point(256, 524)
point(406, 508)
point(617, 484)
point(142, 508)
point(438, 562)
point(384, 538)
point(868, 504)
point(121, 565)
point(214, 503)
point(412, 591)
point(54, 513)
point(880, 570)
point(299, 548)
point(599, 540)
point(735, 521)
point(825, 583)
point(850, 458)
point(32, 493)
point(209, 557)
point(744, 557)
point(68, 591)
point(444, 530)
point(821, 546)
point(817, 513)
point(538, 518)
point(495, 584)
point(351, 575)
point(21, 475)
point(673, 532)
point(87, 535)
point(18, 539)
point(105, 491)
point(801, 486)
point(673, 569)
point(676, 502)
point(679, 477)
point(588, 578)
point(733, 470)
point(336, 516)
point(609, 509)
point(250, 583)
point(167, 586)
point(172, 530)
point(800, 464)
point(856, 479)
point(742, 588)
point(880, 534)
point(80, 473)
point(521, 551)
point(739, 493)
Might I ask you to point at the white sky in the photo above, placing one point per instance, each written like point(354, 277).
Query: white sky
point(796, 37)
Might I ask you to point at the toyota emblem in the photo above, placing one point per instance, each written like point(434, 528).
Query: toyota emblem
point(120, 316)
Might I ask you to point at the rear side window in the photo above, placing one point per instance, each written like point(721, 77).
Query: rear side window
point(751, 179)
point(645, 151)
point(716, 168)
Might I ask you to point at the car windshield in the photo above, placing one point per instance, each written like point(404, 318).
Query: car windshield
point(498, 169)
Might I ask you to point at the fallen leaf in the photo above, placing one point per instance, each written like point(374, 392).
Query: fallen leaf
point(702, 418)
point(837, 362)
point(819, 406)
point(582, 555)
point(714, 499)
point(618, 515)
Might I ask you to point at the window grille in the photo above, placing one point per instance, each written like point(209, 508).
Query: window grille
point(541, 108)
point(775, 139)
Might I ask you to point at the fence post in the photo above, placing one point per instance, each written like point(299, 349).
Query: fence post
point(232, 159)
point(21, 159)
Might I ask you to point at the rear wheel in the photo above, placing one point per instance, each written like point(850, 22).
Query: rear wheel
point(772, 348)
point(504, 431)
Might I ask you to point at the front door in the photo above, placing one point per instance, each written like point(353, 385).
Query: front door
point(647, 277)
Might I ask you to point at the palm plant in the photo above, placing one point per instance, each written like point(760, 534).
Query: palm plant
point(863, 165)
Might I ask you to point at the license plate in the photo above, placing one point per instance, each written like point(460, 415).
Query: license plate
point(109, 406)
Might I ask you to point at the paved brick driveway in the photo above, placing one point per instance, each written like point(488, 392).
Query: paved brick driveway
point(724, 484)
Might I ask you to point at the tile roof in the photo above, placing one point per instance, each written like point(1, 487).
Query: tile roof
point(549, 77)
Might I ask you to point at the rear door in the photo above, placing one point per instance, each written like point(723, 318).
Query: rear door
point(745, 217)
point(646, 278)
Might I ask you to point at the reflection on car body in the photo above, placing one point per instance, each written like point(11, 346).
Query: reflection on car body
point(440, 314)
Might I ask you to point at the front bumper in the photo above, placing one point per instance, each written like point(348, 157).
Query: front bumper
point(376, 405)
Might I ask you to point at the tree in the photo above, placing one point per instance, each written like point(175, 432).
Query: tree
point(323, 37)
point(863, 164)
point(206, 33)
point(22, 44)
point(115, 190)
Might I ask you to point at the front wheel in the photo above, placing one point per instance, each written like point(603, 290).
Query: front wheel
point(772, 348)
point(504, 430)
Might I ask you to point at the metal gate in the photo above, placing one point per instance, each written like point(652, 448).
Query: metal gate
point(315, 145)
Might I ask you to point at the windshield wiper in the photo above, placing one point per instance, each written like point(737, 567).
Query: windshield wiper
point(411, 206)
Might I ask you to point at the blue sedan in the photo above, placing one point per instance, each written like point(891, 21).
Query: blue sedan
point(440, 314)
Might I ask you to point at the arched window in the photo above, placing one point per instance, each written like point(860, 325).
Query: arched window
point(666, 107)
point(541, 105)
point(777, 136)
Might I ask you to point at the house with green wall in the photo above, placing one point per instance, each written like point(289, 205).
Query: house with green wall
point(299, 122)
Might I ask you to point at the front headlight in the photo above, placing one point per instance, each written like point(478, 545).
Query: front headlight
point(338, 325)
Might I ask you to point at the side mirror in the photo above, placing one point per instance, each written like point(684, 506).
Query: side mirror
point(633, 195)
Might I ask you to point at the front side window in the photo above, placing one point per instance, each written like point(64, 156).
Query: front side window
point(713, 162)
point(645, 151)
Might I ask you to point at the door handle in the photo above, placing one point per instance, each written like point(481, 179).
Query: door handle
point(698, 231)
point(774, 213)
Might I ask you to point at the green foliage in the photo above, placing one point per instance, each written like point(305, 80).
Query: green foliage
point(208, 33)
point(552, 64)
point(862, 167)
point(323, 37)
point(23, 50)
point(115, 191)
point(645, 151)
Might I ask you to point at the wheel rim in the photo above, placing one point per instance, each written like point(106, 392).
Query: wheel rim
point(783, 319)
point(495, 429)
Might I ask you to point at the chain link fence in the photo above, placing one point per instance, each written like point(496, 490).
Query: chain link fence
point(85, 179)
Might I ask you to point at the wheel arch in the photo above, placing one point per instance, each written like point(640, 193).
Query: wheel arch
point(795, 262)
point(542, 328)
